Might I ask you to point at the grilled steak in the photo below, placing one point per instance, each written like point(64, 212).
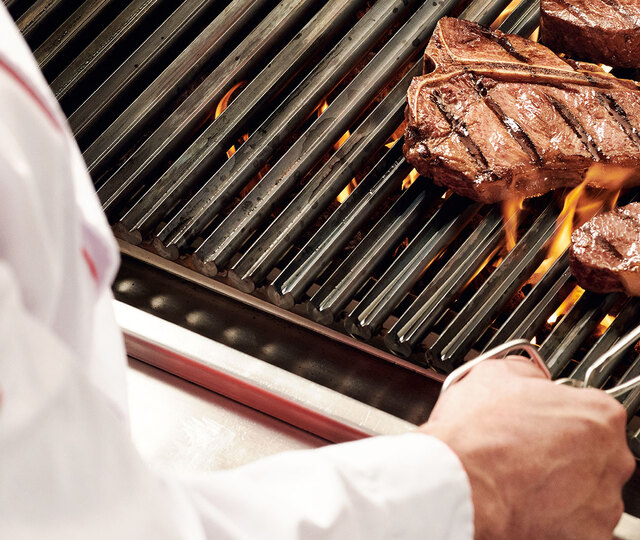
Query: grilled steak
point(605, 252)
point(606, 31)
point(498, 116)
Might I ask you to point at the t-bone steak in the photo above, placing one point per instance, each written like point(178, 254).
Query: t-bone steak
point(606, 31)
point(605, 252)
point(497, 116)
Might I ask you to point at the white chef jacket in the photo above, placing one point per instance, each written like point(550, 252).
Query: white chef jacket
point(67, 465)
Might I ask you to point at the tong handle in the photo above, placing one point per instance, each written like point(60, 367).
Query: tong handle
point(517, 345)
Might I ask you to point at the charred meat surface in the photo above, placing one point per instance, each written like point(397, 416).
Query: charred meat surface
point(606, 31)
point(497, 116)
point(605, 252)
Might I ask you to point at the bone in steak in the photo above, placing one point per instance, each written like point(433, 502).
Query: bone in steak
point(497, 116)
point(605, 252)
point(606, 31)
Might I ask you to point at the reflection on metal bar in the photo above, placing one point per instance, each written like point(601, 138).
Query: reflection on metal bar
point(414, 325)
point(337, 291)
point(524, 19)
point(539, 304)
point(75, 24)
point(195, 163)
point(473, 319)
point(386, 177)
point(438, 232)
point(174, 79)
point(485, 10)
point(37, 13)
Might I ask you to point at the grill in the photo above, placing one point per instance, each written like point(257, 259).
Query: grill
point(216, 135)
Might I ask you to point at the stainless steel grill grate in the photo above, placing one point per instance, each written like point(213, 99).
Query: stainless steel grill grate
point(409, 271)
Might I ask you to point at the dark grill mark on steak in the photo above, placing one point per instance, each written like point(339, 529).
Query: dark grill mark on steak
point(628, 216)
point(605, 245)
point(604, 254)
point(504, 42)
point(460, 128)
point(620, 116)
point(577, 128)
point(514, 129)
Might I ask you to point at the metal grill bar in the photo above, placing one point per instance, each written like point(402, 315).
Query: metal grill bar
point(173, 80)
point(390, 289)
point(406, 44)
point(277, 295)
point(314, 196)
point(90, 59)
point(418, 320)
point(220, 246)
point(32, 19)
point(627, 318)
point(524, 19)
point(581, 320)
point(456, 340)
point(254, 51)
point(253, 155)
point(82, 17)
point(385, 178)
point(484, 11)
point(539, 304)
point(212, 144)
point(338, 290)
point(631, 401)
point(180, 23)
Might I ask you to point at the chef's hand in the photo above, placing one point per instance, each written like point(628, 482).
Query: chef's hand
point(544, 461)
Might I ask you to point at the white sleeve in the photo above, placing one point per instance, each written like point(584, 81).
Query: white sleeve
point(68, 468)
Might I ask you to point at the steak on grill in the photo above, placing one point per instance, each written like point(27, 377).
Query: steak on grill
point(498, 116)
point(605, 252)
point(606, 31)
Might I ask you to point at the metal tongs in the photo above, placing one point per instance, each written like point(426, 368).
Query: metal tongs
point(522, 345)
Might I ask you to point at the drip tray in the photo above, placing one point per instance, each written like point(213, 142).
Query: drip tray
point(279, 338)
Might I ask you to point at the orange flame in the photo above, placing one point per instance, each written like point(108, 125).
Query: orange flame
point(510, 211)
point(347, 190)
point(567, 304)
point(483, 265)
point(604, 324)
point(505, 13)
point(580, 205)
point(342, 140)
point(410, 179)
point(223, 104)
point(323, 107)
point(351, 185)
point(396, 135)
